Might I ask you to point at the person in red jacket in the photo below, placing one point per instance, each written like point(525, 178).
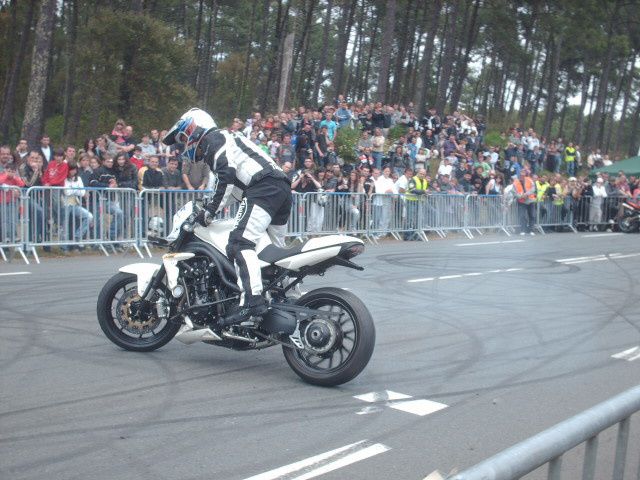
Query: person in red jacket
point(9, 203)
point(54, 176)
point(56, 172)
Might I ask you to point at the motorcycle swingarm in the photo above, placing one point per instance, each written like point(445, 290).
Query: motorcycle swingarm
point(302, 313)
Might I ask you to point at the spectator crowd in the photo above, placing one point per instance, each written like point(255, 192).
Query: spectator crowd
point(396, 152)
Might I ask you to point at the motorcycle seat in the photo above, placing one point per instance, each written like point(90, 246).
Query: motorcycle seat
point(273, 254)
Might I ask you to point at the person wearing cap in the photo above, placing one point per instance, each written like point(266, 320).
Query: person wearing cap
point(599, 193)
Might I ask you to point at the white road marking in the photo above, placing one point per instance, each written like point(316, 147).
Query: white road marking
point(419, 407)
point(398, 401)
point(358, 456)
point(597, 235)
point(571, 259)
point(629, 355)
point(619, 255)
point(435, 475)
point(417, 280)
point(598, 259)
point(487, 243)
point(383, 396)
point(460, 275)
point(369, 409)
point(14, 273)
point(346, 455)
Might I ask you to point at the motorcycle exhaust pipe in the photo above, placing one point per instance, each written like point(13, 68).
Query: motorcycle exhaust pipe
point(188, 335)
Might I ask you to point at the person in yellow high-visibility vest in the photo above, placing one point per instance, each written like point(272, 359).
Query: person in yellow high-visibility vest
point(416, 190)
point(570, 159)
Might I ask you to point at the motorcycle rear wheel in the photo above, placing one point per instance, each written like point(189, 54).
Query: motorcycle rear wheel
point(628, 224)
point(141, 333)
point(343, 345)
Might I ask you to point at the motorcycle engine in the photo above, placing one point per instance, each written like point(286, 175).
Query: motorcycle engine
point(199, 279)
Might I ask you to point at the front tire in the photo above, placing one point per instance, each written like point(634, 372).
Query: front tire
point(336, 350)
point(141, 332)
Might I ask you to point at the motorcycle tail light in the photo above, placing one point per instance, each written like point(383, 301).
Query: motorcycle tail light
point(353, 250)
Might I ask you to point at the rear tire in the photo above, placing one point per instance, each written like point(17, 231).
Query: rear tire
point(355, 338)
point(129, 333)
point(628, 224)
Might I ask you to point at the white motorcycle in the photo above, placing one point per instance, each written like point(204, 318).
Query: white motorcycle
point(327, 335)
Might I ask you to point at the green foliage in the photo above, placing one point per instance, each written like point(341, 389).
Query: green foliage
point(346, 143)
point(495, 138)
point(230, 97)
point(157, 77)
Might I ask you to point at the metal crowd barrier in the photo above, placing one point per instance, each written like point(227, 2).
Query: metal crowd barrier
point(12, 223)
point(555, 214)
point(596, 212)
point(549, 446)
point(484, 212)
point(112, 218)
point(326, 213)
point(81, 217)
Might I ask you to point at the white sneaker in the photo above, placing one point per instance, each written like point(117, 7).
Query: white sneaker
point(521, 233)
point(531, 233)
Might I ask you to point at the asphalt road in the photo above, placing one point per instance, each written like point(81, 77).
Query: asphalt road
point(478, 347)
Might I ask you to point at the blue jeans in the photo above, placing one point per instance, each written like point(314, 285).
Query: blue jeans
point(377, 157)
point(8, 222)
point(80, 218)
point(571, 168)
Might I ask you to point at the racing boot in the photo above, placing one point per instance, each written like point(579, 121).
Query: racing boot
point(244, 313)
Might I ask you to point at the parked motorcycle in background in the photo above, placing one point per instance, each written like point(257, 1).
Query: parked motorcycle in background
point(327, 335)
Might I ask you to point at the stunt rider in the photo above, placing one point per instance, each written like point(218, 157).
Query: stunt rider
point(265, 206)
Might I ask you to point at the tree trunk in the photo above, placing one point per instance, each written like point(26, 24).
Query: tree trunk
point(634, 141)
point(306, 35)
point(622, 75)
point(596, 131)
point(197, 43)
point(425, 65)
point(353, 81)
point(272, 58)
point(70, 74)
point(402, 47)
point(323, 55)
point(203, 94)
point(449, 40)
point(545, 68)
point(584, 95)
point(625, 106)
point(33, 115)
point(461, 67)
point(413, 57)
point(374, 36)
point(527, 100)
point(388, 31)
point(13, 73)
point(345, 24)
point(552, 89)
point(285, 76)
point(247, 62)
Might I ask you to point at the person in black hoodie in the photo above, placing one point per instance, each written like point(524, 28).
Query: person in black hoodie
point(106, 177)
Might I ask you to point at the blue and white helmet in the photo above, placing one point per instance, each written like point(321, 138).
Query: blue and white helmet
point(189, 130)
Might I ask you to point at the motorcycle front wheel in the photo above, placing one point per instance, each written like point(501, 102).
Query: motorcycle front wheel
point(336, 349)
point(128, 322)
